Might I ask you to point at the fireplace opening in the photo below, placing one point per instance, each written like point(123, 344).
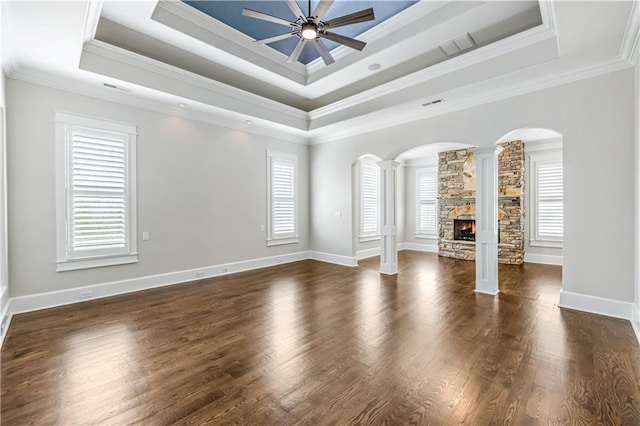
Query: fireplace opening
point(464, 229)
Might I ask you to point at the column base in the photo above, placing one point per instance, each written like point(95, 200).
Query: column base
point(487, 288)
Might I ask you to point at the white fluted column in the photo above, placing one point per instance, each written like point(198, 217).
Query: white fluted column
point(487, 219)
point(388, 228)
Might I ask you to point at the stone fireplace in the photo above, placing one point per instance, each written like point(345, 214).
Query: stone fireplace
point(457, 208)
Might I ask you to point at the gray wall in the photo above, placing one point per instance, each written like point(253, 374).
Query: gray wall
point(596, 118)
point(201, 191)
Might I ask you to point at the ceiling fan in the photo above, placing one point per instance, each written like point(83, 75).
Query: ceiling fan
point(311, 28)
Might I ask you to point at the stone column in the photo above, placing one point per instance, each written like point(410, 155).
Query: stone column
point(388, 229)
point(487, 219)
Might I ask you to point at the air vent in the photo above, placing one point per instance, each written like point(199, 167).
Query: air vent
point(113, 86)
point(458, 44)
point(437, 101)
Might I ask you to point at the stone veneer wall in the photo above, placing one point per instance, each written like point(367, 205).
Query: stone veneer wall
point(456, 200)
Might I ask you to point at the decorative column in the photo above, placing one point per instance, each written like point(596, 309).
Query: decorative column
point(389, 245)
point(487, 219)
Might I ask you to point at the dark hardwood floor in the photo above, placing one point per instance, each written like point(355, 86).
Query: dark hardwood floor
point(314, 343)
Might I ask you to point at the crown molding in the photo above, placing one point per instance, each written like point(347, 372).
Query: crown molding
point(502, 47)
point(220, 91)
point(8, 62)
point(210, 116)
point(507, 91)
point(630, 48)
point(92, 17)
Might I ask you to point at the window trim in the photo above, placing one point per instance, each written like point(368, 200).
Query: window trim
point(419, 172)
point(533, 158)
point(64, 123)
point(362, 165)
point(293, 238)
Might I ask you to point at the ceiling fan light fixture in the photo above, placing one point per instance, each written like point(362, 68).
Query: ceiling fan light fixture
point(309, 31)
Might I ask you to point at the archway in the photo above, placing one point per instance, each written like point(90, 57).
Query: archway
point(530, 190)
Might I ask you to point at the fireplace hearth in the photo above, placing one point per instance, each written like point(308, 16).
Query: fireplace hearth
point(464, 229)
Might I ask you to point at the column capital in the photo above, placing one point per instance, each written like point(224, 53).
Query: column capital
point(491, 149)
point(388, 164)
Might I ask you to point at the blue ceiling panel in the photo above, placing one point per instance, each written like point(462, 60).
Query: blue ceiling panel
point(230, 13)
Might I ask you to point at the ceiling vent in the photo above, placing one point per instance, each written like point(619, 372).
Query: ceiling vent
point(113, 86)
point(458, 44)
point(437, 101)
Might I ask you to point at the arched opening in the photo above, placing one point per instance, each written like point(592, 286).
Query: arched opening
point(531, 192)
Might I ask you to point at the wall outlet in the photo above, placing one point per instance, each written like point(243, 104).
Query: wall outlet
point(261, 228)
point(225, 270)
point(200, 274)
point(85, 294)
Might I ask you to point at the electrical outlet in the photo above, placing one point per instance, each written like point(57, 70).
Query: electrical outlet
point(85, 294)
point(225, 270)
point(200, 274)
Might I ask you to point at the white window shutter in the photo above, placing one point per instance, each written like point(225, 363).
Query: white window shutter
point(98, 194)
point(549, 183)
point(283, 193)
point(427, 201)
point(369, 199)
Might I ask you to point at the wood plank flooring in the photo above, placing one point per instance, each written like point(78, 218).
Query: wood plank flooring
point(314, 343)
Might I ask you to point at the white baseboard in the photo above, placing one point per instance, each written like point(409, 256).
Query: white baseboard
point(635, 321)
point(79, 294)
point(5, 320)
point(596, 305)
point(333, 258)
point(429, 248)
point(547, 259)
point(363, 254)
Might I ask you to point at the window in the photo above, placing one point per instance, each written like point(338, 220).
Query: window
point(282, 198)
point(427, 192)
point(96, 197)
point(369, 200)
point(546, 198)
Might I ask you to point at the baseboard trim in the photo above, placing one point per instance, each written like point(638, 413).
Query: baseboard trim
point(79, 294)
point(363, 254)
point(429, 248)
point(5, 320)
point(596, 305)
point(333, 258)
point(635, 321)
point(546, 259)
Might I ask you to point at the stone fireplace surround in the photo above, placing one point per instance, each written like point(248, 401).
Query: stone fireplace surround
point(456, 200)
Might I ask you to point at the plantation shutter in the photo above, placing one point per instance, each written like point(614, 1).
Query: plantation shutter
point(369, 190)
point(427, 194)
point(283, 197)
point(549, 200)
point(98, 192)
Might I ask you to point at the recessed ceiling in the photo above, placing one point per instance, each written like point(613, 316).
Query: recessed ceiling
point(161, 53)
point(230, 13)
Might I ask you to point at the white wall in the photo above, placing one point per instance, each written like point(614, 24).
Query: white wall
point(596, 119)
point(636, 310)
point(201, 191)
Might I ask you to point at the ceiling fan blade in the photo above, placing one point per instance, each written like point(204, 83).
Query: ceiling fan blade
point(323, 51)
point(265, 17)
point(274, 38)
point(347, 41)
point(322, 8)
point(352, 18)
point(296, 51)
point(293, 5)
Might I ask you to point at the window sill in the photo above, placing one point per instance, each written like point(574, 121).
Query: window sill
point(369, 238)
point(282, 241)
point(542, 243)
point(95, 262)
point(427, 236)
